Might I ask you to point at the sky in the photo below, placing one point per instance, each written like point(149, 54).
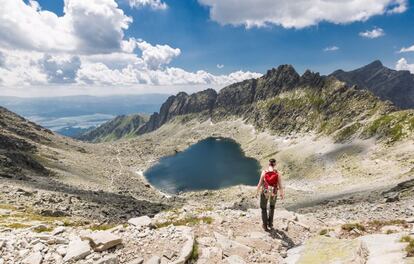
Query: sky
point(101, 47)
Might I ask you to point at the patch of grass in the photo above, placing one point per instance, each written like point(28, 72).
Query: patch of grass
point(352, 226)
point(43, 229)
point(347, 132)
point(194, 253)
point(101, 227)
point(377, 224)
point(17, 226)
point(190, 221)
point(410, 249)
point(324, 232)
point(73, 223)
point(7, 207)
point(405, 239)
point(388, 232)
point(394, 126)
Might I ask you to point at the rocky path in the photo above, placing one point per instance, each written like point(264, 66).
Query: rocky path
point(197, 233)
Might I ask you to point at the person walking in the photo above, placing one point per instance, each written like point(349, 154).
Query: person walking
point(269, 184)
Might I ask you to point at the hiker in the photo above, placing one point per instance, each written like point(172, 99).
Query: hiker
point(270, 182)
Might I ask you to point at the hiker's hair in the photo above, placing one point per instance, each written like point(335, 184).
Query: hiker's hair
point(272, 161)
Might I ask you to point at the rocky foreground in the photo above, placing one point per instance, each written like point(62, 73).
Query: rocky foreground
point(377, 229)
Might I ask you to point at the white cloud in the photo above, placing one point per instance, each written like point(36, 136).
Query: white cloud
point(154, 4)
point(93, 26)
point(408, 49)
point(372, 34)
point(331, 48)
point(299, 13)
point(220, 66)
point(402, 64)
point(158, 55)
point(60, 69)
point(86, 49)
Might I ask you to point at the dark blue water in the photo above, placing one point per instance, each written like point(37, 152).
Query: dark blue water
point(211, 164)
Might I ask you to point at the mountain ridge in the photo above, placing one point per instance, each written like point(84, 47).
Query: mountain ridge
point(387, 84)
point(285, 102)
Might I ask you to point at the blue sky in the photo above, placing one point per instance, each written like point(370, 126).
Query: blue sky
point(205, 34)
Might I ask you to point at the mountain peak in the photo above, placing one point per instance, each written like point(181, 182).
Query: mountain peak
point(284, 69)
point(375, 64)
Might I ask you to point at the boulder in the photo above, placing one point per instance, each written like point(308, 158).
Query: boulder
point(186, 250)
point(53, 213)
point(210, 255)
point(77, 249)
point(34, 258)
point(384, 249)
point(141, 221)
point(102, 240)
point(327, 250)
point(231, 247)
point(392, 197)
point(58, 230)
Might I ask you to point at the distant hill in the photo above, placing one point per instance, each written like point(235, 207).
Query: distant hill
point(387, 84)
point(119, 127)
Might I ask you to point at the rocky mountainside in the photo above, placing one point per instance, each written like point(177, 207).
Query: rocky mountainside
point(119, 127)
point(284, 102)
point(18, 150)
point(387, 84)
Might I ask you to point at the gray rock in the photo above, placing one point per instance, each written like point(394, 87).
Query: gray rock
point(231, 247)
point(186, 250)
point(392, 197)
point(77, 250)
point(61, 250)
point(102, 240)
point(141, 221)
point(58, 230)
point(34, 258)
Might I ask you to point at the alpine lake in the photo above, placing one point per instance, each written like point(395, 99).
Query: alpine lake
point(210, 164)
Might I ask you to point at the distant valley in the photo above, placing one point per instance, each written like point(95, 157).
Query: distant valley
point(75, 115)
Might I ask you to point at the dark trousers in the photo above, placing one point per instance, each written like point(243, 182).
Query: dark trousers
point(264, 199)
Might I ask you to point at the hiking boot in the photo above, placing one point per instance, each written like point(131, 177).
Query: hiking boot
point(264, 217)
point(265, 228)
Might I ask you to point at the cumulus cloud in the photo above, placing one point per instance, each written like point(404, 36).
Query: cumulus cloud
point(154, 4)
point(22, 68)
point(331, 48)
point(220, 66)
point(372, 34)
point(402, 64)
point(408, 49)
point(86, 47)
point(60, 69)
point(92, 26)
point(158, 55)
point(300, 13)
